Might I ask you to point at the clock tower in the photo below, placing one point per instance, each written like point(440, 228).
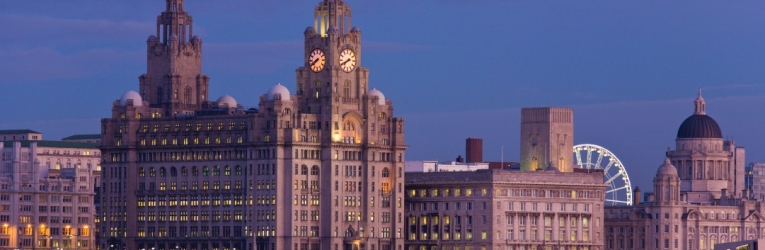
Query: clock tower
point(174, 81)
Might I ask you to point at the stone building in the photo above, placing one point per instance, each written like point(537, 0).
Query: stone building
point(755, 180)
point(20, 135)
point(694, 203)
point(500, 209)
point(547, 136)
point(320, 168)
point(465, 208)
point(47, 194)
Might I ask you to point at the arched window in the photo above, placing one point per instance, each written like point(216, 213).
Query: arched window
point(216, 171)
point(385, 172)
point(152, 172)
point(184, 171)
point(238, 170)
point(206, 171)
point(304, 170)
point(194, 171)
point(141, 172)
point(173, 172)
point(315, 170)
point(162, 172)
point(227, 171)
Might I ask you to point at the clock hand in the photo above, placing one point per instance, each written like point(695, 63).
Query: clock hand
point(314, 61)
point(346, 61)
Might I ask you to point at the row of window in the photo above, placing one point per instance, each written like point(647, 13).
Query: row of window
point(26, 219)
point(146, 128)
point(216, 185)
point(194, 201)
point(194, 171)
point(191, 156)
point(190, 216)
point(192, 231)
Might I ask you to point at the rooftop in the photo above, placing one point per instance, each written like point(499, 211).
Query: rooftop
point(18, 131)
point(83, 137)
point(54, 144)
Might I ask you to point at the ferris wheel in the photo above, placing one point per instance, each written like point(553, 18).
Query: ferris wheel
point(619, 190)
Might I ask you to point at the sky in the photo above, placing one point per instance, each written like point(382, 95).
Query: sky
point(453, 69)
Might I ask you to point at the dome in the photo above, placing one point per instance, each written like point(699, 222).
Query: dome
point(196, 39)
point(173, 37)
point(699, 126)
point(380, 96)
point(278, 89)
point(355, 30)
point(227, 100)
point(667, 168)
point(131, 95)
point(152, 38)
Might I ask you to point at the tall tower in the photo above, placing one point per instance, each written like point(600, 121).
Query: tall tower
point(341, 147)
point(547, 138)
point(174, 79)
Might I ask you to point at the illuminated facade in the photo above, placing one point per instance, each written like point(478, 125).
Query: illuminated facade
point(47, 194)
point(462, 207)
point(318, 169)
point(698, 200)
point(508, 210)
point(547, 137)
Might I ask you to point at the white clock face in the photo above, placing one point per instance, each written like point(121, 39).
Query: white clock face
point(347, 60)
point(317, 60)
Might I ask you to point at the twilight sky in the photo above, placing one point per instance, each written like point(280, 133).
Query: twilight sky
point(453, 69)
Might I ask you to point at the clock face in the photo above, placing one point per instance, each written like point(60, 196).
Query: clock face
point(347, 60)
point(317, 60)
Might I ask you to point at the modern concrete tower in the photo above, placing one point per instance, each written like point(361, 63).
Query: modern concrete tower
point(547, 138)
point(174, 79)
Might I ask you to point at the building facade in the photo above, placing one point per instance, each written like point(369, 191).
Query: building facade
point(500, 209)
point(467, 206)
point(47, 194)
point(755, 180)
point(698, 199)
point(547, 137)
point(435, 166)
point(318, 169)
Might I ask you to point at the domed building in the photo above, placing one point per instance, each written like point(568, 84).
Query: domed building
point(697, 200)
point(706, 163)
point(187, 172)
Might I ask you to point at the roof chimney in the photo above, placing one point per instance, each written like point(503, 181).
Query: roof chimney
point(474, 150)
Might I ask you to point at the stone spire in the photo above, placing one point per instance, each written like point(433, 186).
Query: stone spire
point(700, 105)
point(174, 22)
point(174, 79)
point(332, 15)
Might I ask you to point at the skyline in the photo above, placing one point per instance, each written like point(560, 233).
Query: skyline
point(86, 54)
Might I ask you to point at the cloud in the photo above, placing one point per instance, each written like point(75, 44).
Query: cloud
point(256, 57)
point(380, 46)
point(48, 64)
point(22, 30)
